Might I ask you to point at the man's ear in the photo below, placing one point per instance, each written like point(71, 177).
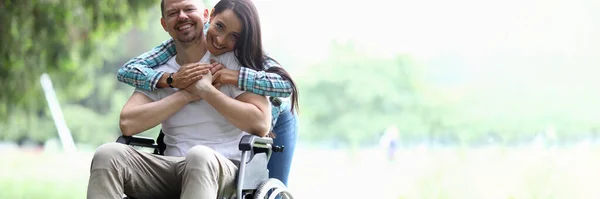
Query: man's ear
point(205, 14)
point(163, 23)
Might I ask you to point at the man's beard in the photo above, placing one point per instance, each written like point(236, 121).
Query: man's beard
point(194, 37)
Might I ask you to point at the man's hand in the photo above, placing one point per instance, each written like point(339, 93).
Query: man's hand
point(188, 74)
point(223, 75)
point(216, 66)
point(202, 85)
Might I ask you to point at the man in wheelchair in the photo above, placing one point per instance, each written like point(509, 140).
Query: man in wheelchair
point(202, 126)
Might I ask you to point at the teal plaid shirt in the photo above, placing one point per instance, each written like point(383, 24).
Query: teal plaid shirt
point(138, 72)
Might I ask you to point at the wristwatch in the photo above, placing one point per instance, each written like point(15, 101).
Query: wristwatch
point(170, 80)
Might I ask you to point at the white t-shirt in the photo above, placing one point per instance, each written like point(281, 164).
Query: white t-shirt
point(198, 123)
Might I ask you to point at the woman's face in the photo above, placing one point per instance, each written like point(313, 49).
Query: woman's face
point(225, 29)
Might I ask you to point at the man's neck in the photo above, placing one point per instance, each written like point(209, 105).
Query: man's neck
point(190, 52)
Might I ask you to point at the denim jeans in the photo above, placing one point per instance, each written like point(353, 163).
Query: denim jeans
point(286, 134)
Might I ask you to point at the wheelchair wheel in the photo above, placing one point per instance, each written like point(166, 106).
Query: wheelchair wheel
point(272, 187)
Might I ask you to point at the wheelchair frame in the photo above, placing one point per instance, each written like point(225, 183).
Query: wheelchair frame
point(252, 181)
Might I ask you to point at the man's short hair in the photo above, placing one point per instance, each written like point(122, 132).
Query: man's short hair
point(162, 8)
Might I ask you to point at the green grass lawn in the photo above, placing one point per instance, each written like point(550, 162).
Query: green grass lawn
point(43, 175)
point(512, 173)
point(503, 174)
point(518, 175)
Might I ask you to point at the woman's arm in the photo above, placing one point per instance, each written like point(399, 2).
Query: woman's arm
point(138, 72)
point(258, 82)
point(264, 83)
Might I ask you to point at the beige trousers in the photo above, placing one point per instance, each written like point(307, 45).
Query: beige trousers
point(119, 169)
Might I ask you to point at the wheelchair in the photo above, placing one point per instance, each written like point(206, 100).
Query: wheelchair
point(252, 179)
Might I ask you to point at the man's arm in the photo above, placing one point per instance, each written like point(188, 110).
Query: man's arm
point(138, 72)
point(141, 113)
point(248, 111)
point(263, 83)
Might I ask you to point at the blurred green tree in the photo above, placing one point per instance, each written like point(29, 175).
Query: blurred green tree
point(351, 97)
point(65, 38)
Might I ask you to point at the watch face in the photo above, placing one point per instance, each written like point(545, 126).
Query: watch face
point(170, 79)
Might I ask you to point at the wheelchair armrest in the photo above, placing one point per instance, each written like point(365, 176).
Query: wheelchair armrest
point(137, 141)
point(252, 141)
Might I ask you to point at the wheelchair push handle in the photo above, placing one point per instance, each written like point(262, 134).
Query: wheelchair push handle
point(278, 149)
point(248, 142)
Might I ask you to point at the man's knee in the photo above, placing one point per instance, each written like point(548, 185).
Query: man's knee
point(107, 155)
point(200, 157)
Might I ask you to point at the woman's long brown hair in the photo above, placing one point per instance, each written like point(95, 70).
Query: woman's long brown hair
point(248, 48)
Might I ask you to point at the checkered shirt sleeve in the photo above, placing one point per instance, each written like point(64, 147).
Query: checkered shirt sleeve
point(138, 72)
point(263, 83)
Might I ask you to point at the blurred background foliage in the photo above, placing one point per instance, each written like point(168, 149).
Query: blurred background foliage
point(71, 41)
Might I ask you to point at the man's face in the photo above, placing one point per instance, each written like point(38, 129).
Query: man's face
point(225, 29)
point(184, 19)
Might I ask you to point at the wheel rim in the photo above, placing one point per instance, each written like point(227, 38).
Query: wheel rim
point(272, 184)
